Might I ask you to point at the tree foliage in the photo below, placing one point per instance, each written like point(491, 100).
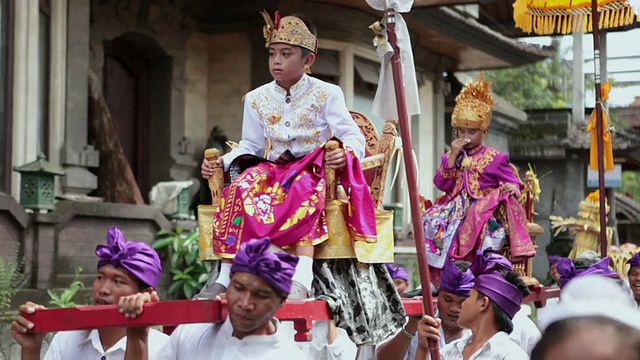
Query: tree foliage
point(545, 84)
point(631, 184)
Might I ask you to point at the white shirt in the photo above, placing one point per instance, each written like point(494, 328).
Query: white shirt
point(413, 347)
point(499, 347)
point(525, 332)
point(342, 347)
point(215, 342)
point(85, 344)
point(313, 113)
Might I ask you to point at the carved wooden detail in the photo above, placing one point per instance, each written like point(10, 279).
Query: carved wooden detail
point(368, 130)
point(380, 150)
point(216, 181)
point(330, 174)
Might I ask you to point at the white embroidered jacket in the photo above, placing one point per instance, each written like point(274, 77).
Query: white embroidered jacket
point(312, 113)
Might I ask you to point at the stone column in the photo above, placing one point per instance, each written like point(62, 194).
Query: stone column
point(425, 129)
point(57, 83)
point(76, 154)
point(26, 106)
point(347, 75)
point(577, 108)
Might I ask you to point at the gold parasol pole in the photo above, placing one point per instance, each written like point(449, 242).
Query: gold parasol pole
point(599, 127)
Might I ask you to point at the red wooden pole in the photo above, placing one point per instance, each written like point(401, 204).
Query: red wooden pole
point(599, 127)
point(416, 217)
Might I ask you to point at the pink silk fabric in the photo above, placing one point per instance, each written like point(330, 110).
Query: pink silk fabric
point(471, 231)
point(285, 202)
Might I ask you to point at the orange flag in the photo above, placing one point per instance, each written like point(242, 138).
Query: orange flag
point(607, 142)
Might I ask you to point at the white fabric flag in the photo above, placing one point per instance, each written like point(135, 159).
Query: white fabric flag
point(384, 103)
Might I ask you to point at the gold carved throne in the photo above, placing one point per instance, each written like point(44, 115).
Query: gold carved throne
point(527, 200)
point(379, 151)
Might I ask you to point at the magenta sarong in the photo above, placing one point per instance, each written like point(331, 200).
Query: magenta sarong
point(471, 231)
point(285, 202)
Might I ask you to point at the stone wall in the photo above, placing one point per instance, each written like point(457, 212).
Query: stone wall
point(563, 184)
point(55, 243)
point(229, 80)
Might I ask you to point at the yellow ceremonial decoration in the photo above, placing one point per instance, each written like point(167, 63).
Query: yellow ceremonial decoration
point(619, 257)
point(288, 30)
point(474, 105)
point(607, 143)
point(547, 17)
point(585, 228)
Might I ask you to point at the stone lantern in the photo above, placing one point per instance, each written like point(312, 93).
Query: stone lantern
point(37, 180)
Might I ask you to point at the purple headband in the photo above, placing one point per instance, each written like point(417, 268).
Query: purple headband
point(568, 271)
point(554, 259)
point(140, 259)
point(276, 268)
point(455, 281)
point(491, 283)
point(489, 262)
point(635, 260)
point(397, 272)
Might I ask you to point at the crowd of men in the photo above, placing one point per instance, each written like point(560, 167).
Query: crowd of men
point(479, 314)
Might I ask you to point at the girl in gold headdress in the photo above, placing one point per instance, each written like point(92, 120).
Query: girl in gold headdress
point(470, 172)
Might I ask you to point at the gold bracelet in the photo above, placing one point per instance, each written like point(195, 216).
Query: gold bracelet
point(407, 334)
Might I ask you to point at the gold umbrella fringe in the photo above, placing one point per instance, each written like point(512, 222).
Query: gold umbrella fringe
point(565, 21)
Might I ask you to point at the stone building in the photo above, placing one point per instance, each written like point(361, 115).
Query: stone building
point(170, 71)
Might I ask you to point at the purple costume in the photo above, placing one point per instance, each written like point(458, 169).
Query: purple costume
point(476, 173)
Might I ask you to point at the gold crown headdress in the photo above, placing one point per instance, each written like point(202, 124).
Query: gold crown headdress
point(474, 105)
point(288, 30)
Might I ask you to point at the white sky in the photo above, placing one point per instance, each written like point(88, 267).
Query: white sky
point(618, 44)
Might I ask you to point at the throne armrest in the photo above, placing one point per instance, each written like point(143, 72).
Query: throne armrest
point(372, 161)
point(216, 181)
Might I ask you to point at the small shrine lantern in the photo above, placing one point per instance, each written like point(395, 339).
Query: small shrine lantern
point(37, 190)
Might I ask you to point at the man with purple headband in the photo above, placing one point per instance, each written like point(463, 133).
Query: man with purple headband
point(553, 269)
point(494, 300)
point(124, 268)
point(634, 276)
point(455, 283)
point(400, 278)
point(570, 270)
point(260, 283)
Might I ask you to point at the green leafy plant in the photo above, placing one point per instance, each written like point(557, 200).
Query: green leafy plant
point(65, 299)
point(189, 272)
point(13, 276)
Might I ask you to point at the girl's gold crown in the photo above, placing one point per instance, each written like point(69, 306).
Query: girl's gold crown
point(288, 30)
point(474, 105)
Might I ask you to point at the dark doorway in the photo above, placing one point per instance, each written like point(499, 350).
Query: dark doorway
point(126, 89)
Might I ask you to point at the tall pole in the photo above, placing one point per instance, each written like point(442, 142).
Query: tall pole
point(599, 128)
point(409, 165)
point(577, 109)
point(611, 192)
